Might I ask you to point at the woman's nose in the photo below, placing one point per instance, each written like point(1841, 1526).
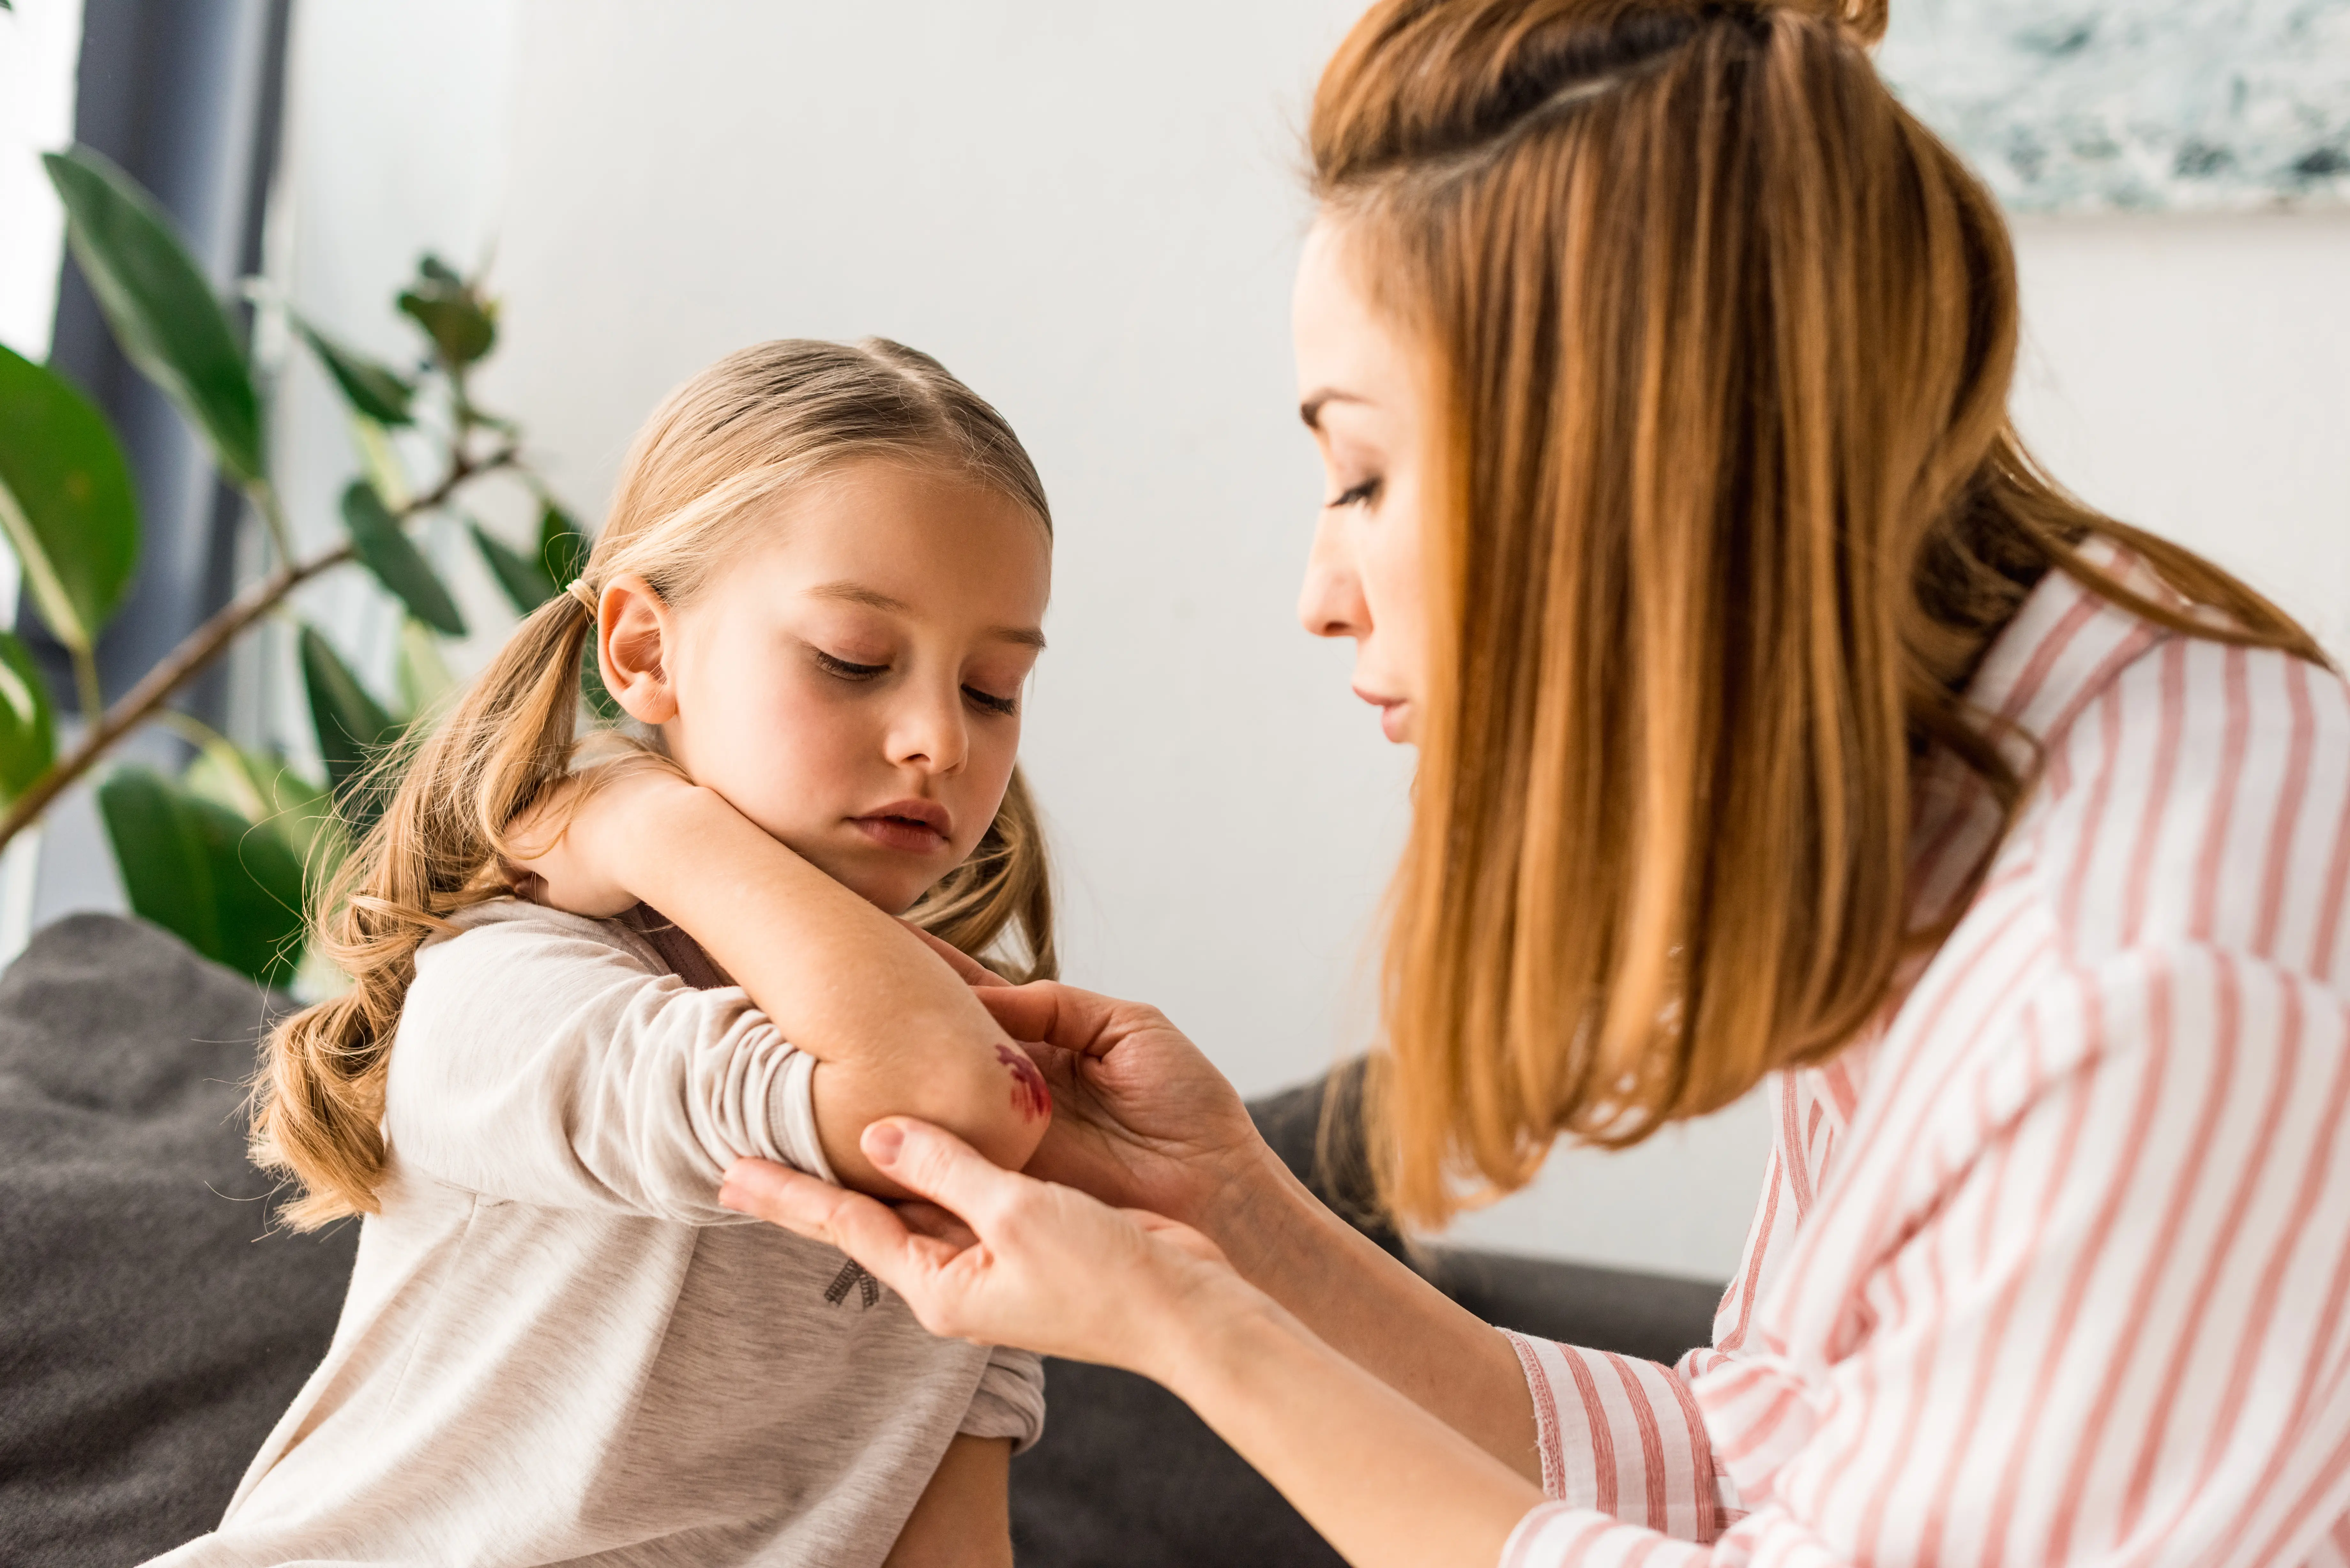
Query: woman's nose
point(1331, 603)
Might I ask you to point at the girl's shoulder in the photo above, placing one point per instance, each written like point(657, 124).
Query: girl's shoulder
point(510, 952)
point(511, 928)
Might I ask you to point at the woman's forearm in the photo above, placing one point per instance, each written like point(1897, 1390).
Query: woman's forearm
point(1363, 1303)
point(896, 1031)
point(1382, 1477)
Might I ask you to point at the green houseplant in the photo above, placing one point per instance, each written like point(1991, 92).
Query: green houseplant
point(225, 852)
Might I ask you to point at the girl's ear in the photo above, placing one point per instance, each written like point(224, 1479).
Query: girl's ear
point(635, 631)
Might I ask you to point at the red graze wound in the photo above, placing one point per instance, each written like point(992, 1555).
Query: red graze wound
point(1029, 1095)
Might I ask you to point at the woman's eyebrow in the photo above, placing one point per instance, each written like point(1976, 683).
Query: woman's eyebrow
point(1310, 410)
point(855, 593)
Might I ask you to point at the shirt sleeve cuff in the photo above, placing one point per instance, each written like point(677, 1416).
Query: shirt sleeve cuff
point(789, 1136)
point(1009, 1401)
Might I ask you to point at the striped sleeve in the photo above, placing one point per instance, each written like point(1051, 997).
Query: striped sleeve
point(2112, 1333)
point(1621, 1436)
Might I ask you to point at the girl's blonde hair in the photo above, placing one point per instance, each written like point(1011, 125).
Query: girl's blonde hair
point(742, 434)
point(1728, 507)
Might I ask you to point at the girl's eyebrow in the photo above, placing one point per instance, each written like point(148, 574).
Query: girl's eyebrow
point(855, 593)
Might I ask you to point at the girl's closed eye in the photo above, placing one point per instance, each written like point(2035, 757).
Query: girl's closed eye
point(847, 670)
point(990, 703)
point(1357, 495)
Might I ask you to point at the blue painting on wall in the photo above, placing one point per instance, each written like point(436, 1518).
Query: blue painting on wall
point(2069, 105)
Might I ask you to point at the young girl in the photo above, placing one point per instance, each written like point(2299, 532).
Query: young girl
point(818, 591)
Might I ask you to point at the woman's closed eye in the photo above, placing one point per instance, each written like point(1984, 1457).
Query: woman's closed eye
point(1359, 494)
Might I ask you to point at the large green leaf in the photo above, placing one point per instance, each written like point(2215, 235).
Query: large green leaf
point(370, 387)
point(162, 311)
point(426, 680)
point(461, 325)
point(233, 891)
point(353, 728)
point(525, 582)
point(66, 501)
point(28, 728)
point(388, 552)
point(266, 791)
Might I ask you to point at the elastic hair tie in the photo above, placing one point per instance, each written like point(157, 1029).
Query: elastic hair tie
point(585, 596)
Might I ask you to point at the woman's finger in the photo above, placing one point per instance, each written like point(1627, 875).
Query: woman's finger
point(1056, 1014)
point(932, 1163)
point(972, 972)
point(866, 1229)
point(930, 1219)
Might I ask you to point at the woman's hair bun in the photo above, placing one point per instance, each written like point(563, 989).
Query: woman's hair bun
point(1864, 20)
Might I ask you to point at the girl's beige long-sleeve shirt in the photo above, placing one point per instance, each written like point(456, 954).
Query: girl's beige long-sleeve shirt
point(557, 1348)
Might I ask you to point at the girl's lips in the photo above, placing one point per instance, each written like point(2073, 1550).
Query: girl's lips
point(909, 826)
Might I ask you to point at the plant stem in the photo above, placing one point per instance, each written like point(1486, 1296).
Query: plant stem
point(205, 644)
point(198, 649)
point(88, 689)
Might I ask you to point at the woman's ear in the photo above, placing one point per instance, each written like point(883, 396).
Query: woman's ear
point(635, 632)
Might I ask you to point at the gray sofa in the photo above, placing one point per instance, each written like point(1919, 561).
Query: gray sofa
point(153, 1326)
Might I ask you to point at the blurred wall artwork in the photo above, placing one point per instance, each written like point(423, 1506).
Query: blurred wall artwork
point(2082, 106)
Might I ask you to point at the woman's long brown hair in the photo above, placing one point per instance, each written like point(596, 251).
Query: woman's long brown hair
point(1729, 508)
point(695, 488)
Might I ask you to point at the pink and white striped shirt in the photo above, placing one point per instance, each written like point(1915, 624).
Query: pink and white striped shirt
point(2052, 1267)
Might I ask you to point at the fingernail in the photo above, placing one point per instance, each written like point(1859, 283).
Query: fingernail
point(881, 1143)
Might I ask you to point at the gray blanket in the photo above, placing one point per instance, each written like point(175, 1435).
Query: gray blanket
point(151, 1328)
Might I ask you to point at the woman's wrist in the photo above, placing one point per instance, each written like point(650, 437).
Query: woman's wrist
point(1262, 1216)
point(1196, 1329)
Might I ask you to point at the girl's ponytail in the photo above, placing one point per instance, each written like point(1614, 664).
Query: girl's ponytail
point(319, 1106)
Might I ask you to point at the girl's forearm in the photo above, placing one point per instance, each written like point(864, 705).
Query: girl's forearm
point(897, 1031)
point(1363, 1303)
point(1384, 1481)
point(963, 1517)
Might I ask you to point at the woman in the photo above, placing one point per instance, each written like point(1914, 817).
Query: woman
point(1777, 720)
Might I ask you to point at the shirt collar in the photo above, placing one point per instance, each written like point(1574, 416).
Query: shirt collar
point(2067, 645)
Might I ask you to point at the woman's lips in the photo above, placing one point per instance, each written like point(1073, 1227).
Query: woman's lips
point(909, 827)
point(1391, 712)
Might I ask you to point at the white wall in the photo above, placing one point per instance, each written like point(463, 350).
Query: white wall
point(1091, 212)
point(39, 45)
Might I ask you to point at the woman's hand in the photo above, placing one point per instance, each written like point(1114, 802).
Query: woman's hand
point(1010, 1260)
point(1005, 1258)
point(570, 850)
point(1142, 1118)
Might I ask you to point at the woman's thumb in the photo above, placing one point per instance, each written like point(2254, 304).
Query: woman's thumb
point(933, 1163)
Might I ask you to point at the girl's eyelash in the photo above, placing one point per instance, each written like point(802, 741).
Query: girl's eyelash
point(1006, 706)
point(1367, 491)
point(844, 670)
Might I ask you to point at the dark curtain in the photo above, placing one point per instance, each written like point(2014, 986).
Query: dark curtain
point(187, 95)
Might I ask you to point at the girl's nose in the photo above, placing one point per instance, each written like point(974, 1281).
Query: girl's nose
point(1330, 603)
point(930, 731)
